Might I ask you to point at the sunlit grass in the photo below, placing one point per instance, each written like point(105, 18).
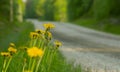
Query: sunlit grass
point(104, 25)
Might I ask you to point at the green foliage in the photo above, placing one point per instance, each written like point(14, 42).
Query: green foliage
point(101, 9)
point(67, 10)
point(40, 9)
point(4, 10)
point(49, 9)
point(18, 9)
point(115, 9)
point(77, 8)
point(74, 9)
point(60, 10)
point(30, 11)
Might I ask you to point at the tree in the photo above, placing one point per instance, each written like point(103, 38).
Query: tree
point(4, 10)
point(31, 6)
point(77, 8)
point(60, 13)
point(49, 9)
point(20, 10)
point(11, 11)
point(115, 9)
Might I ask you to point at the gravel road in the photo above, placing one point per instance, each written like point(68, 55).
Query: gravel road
point(95, 51)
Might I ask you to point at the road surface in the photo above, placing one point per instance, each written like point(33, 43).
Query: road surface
point(95, 51)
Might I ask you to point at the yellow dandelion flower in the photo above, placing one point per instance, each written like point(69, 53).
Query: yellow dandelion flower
point(12, 45)
point(34, 52)
point(40, 31)
point(49, 26)
point(34, 35)
point(11, 49)
point(57, 43)
point(5, 54)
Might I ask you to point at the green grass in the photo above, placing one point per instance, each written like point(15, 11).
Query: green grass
point(59, 64)
point(19, 34)
point(14, 32)
point(104, 25)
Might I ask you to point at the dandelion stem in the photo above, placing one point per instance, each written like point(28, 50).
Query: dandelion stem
point(33, 65)
point(40, 59)
point(30, 62)
point(24, 67)
point(31, 42)
point(8, 64)
point(4, 64)
point(45, 55)
point(38, 64)
point(51, 58)
point(48, 54)
point(35, 41)
point(42, 44)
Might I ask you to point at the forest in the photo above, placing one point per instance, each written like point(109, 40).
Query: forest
point(67, 10)
point(59, 10)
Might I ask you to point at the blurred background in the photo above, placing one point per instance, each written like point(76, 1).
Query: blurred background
point(102, 15)
point(60, 10)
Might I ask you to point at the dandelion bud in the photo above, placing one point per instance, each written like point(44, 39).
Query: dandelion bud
point(34, 35)
point(12, 50)
point(40, 31)
point(12, 45)
point(6, 54)
point(48, 35)
point(57, 43)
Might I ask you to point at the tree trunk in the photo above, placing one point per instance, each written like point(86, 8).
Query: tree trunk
point(20, 14)
point(11, 10)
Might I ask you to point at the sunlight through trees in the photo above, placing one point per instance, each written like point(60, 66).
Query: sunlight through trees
point(58, 10)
